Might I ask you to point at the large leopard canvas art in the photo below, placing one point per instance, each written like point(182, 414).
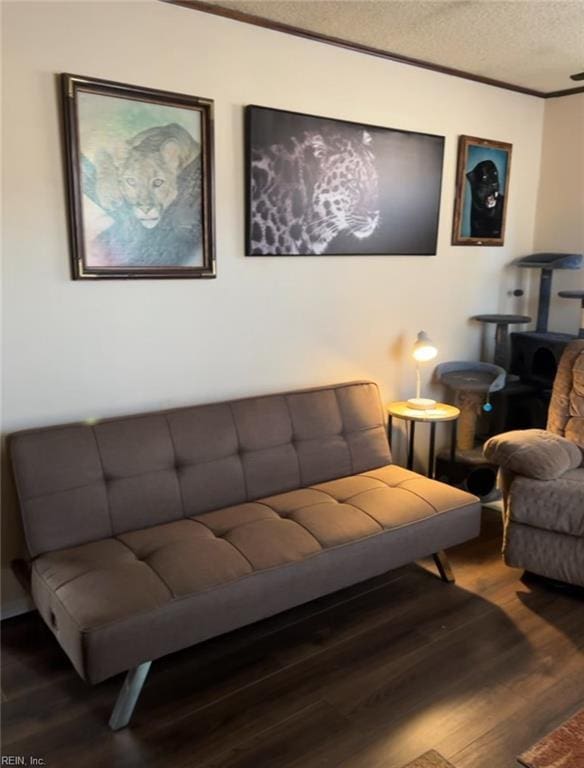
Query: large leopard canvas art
point(320, 186)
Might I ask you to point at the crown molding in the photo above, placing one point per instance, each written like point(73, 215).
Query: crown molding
point(260, 21)
point(566, 92)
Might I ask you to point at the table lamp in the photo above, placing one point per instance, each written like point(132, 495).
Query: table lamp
point(423, 351)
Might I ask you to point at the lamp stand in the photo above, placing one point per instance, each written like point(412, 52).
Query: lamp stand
point(420, 403)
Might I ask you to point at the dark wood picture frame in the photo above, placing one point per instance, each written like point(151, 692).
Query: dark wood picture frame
point(158, 218)
point(481, 200)
point(394, 209)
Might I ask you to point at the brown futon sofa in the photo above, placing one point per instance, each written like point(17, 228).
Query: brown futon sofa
point(150, 533)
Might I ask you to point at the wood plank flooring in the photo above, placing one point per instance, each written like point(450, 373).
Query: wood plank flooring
point(370, 677)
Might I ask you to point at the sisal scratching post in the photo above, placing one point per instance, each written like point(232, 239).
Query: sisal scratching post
point(470, 406)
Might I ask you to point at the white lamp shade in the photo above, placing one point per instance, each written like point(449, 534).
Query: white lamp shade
point(424, 348)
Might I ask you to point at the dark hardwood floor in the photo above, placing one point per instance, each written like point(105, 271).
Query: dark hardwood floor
point(370, 677)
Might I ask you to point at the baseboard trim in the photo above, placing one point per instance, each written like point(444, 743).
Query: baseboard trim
point(16, 608)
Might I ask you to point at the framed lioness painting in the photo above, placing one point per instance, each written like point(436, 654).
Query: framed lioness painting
point(140, 177)
point(482, 185)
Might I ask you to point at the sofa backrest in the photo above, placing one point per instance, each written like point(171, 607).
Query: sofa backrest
point(83, 482)
point(566, 412)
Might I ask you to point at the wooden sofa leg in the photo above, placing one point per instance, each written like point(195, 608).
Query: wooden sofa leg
point(128, 696)
point(443, 565)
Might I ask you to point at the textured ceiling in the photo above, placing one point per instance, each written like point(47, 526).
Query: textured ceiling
point(535, 44)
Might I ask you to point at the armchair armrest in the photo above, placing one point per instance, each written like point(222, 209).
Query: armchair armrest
point(533, 453)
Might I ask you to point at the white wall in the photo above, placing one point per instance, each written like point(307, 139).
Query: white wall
point(560, 204)
point(74, 350)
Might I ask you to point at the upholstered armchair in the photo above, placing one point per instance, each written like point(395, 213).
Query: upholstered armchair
point(542, 478)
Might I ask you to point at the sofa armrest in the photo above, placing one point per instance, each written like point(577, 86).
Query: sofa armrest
point(533, 453)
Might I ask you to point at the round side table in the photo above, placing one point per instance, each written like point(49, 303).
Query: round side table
point(440, 412)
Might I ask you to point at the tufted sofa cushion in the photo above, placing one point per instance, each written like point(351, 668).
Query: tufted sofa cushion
point(252, 559)
point(85, 482)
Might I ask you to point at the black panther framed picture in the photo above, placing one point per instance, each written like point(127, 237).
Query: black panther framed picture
point(318, 186)
point(140, 178)
point(482, 183)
